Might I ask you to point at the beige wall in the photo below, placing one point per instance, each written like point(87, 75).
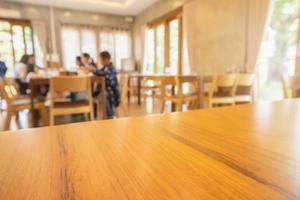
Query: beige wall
point(218, 28)
point(41, 13)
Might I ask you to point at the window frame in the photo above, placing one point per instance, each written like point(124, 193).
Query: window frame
point(165, 20)
point(23, 24)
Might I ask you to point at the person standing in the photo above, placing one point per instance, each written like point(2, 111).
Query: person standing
point(112, 86)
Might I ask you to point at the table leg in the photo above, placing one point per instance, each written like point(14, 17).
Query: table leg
point(103, 98)
point(128, 92)
point(201, 92)
point(173, 106)
point(139, 87)
point(34, 113)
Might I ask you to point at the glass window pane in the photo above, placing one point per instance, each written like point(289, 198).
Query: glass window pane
point(160, 49)
point(88, 43)
point(70, 47)
point(18, 42)
point(4, 26)
point(123, 47)
point(174, 46)
point(6, 50)
point(28, 40)
point(279, 48)
point(39, 54)
point(149, 52)
point(107, 43)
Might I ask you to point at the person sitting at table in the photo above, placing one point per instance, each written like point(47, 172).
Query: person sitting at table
point(3, 69)
point(112, 86)
point(21, 72)
point(31, 65)
point(78, 62)
point(21, 68)
point(87, 61)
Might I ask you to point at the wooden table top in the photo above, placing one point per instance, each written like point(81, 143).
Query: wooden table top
point(242, 152)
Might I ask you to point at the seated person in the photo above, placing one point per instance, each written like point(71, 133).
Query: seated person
point(78, 62)
point(31, 64)
point(21, 71)
point(112, 86)
point(87, 61)
point(3, 69)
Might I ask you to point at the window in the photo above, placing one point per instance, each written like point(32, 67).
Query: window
point(160, 49)
point(122, 48)
point(163, 53)
point(88, 42)
point(279, 48)
point(149, 52)
point(16, 39)
point(70, 46)
point(174, 46)
point(92, 40)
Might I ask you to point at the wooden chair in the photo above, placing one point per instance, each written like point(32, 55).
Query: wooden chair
point(123, 82)
point(291, 86)
point(70, 84)
point(132, 87)
point(244, 88)
point(152, 85)
point(222, 90)
point(180, 90)
point(16, 103)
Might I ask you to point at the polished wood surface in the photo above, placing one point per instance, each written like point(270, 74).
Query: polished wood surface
point(240, 152)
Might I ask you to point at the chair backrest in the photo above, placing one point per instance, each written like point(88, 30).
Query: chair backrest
point(245, 80)
point(245, 83)
point(167, 84)
point(228, 80)
point(188, 84)
point(8, 89)
point(151, 81)
point(290, 86)
point(70, 84)
point(220, 82)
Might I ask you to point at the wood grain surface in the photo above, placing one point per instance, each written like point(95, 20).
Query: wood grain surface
point(242, 152)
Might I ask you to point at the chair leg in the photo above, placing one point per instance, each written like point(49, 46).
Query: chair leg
point(44, 117)
point(191, 105)
point(124, 108)
point(179, 107)
point(99, 113)
point(162, 108)
point(210, 104)
point(91, 116)
point(52, 120)
point(8, 120)
point(18, 123)
point(117, 112)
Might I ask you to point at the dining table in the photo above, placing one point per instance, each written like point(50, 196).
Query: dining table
point(36, 83)
point(240, 152)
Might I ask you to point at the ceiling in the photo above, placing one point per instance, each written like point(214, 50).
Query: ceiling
point(119, 7)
